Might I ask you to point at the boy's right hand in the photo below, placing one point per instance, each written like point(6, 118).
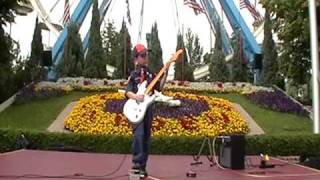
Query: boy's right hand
point(139, 98)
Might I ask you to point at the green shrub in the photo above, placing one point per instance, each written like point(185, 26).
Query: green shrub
point(304, 145)
point(283, 145)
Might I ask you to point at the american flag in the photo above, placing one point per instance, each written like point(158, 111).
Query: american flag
point(194, 5)
point(246, 4)
point(66, 13)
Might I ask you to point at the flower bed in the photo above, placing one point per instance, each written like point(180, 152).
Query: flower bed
point(100, 85)
point(276, 100)
point(215, 87)
point(40, 91)
point(189, 108)
point(97, 115)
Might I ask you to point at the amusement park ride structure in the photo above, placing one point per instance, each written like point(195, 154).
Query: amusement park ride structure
point(250, 46)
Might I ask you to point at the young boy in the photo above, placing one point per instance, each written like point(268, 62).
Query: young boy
point(141, 131)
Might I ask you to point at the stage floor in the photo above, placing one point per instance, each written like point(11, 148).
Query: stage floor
point(34, 164)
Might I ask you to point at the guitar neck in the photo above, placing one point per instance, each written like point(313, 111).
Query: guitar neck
point(165, 67)
point(156, 79)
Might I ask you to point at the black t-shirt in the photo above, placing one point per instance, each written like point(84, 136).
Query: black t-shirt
point(138, 76)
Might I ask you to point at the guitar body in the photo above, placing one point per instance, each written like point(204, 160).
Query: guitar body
point(134, 110)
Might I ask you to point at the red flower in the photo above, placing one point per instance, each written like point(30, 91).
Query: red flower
point(220, 85)
point(118, 120)
point(188, 123)
point(157, 125)
point(225, 118)
point(86, 83)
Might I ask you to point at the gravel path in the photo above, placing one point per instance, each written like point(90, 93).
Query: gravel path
point(57, 125)
point(254, 127)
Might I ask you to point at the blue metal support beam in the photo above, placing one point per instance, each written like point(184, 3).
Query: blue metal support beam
point(215, 23)
point(77, 17)
point(251, 46)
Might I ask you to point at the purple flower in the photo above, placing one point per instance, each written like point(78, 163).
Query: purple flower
point(188, 108)
point(277, 101)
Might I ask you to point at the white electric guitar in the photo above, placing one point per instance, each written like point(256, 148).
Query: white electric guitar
point(135, 110)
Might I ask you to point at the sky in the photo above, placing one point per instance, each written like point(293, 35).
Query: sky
point(163, 12)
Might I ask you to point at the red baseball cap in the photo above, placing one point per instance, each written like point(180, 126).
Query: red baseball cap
point(139, 49)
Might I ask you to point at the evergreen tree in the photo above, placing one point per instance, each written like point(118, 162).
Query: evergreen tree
point(71, 64)
point(291, 22)
point(155, 57)
point(34, 63)
point(7, 84)
point(270, 64)
point(197, 51)
point(239, 70)
point(20, 74)
point(189, 44)
point(124, 54)
point(6, 12)
point(194, 48)
point(5, 67)
point(218, 67)
point(182, 69)
point(111, 45)
point(207, 57)
point(95, 64)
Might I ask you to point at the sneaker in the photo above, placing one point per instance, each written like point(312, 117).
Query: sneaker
point(136, 166)
point(143, 173)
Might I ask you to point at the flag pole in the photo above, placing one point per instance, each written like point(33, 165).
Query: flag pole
point(315, 64)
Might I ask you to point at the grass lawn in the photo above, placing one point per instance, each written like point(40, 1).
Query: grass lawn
point(270, 121)
point(38, 114)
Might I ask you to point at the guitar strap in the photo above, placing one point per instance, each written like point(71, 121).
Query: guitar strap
point(142, 75)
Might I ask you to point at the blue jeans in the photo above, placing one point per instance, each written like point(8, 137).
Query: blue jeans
point(141, 139)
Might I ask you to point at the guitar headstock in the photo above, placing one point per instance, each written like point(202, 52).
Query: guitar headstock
point(175, 57)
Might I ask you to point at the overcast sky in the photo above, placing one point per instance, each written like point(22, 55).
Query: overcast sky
point(161, 11)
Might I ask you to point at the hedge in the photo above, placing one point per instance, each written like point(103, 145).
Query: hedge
point(10, 139)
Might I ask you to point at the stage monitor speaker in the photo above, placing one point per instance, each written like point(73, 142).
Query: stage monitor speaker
point(232, 152)
point(47, 58)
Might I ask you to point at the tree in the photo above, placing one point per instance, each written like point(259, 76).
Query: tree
point(19, 71)
point(291, 22)
point(217, 66)
point(269, 74)
point(6, 71)
point(5, 67)
point(111, 45)
point(182, 69)
point(155, 57)
point(34, 63)
point(239, 70)
point(95, 64)
point(7, 12)
point(193, 47)
point(124, 62)
point(72, 62)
